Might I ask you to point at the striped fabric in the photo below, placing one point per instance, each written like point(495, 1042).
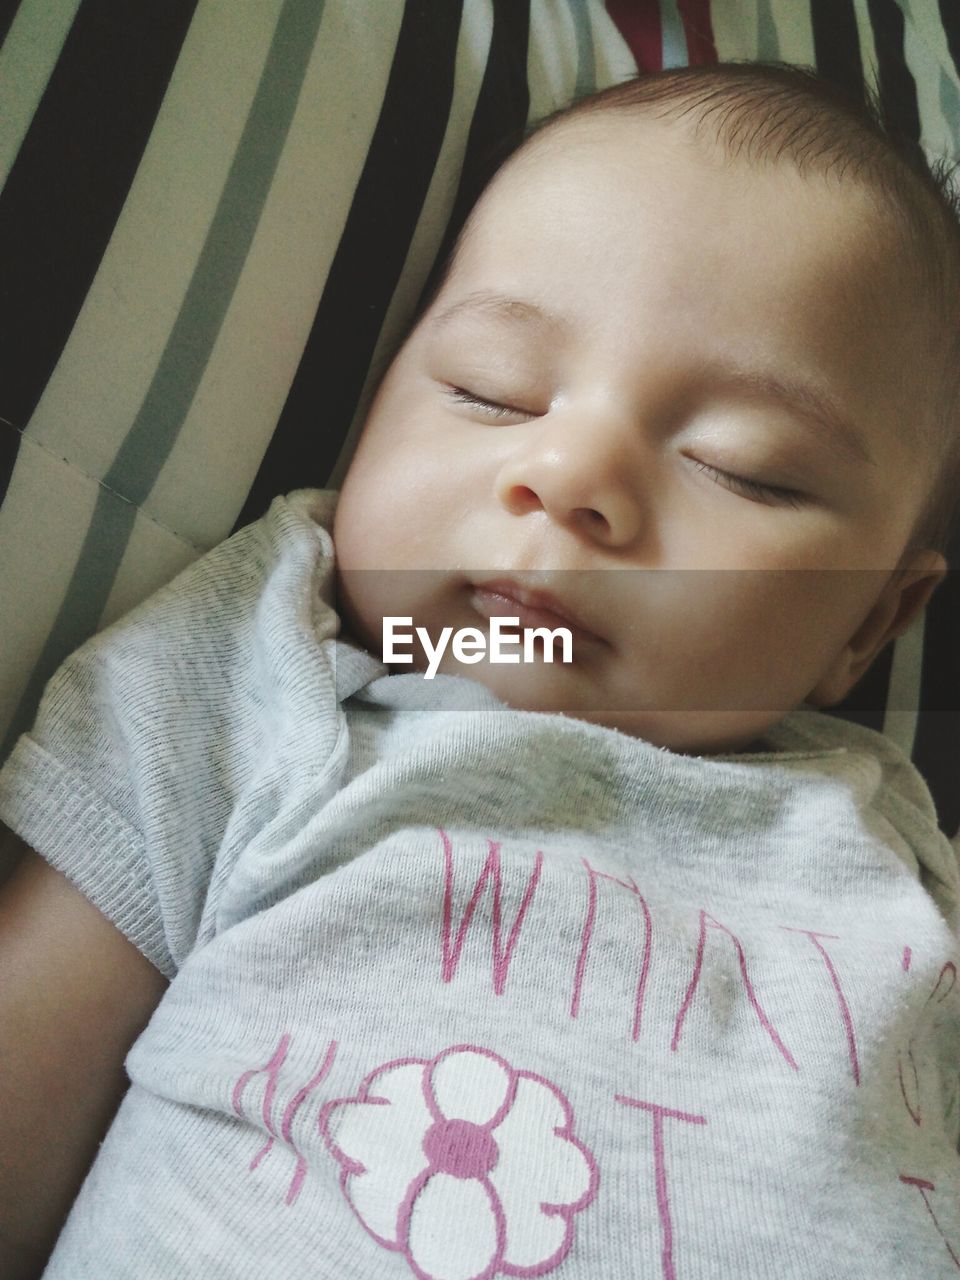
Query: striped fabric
point(217, 219)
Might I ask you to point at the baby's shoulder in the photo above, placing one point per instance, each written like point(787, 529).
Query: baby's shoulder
point(889, 774)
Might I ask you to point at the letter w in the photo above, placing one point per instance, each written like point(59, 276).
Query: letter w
point(502, 955)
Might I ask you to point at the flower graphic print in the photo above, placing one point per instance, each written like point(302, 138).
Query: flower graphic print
point(465, 1165)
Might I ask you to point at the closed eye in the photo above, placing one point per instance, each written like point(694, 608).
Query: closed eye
point(491, 408)
point(767, 493)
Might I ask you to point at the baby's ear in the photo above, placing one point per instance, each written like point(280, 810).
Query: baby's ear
point(903, 597)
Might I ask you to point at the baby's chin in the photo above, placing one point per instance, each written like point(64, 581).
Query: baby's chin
point(689, 733)
point(685, 732)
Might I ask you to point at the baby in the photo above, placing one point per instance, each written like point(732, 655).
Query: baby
point(631, 965)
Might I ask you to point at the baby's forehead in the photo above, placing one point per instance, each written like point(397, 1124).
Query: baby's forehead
point(663, 153)
point(842, 251)
point(693, 174)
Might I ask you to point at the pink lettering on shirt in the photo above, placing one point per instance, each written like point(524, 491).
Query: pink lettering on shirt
point(272, 1070)
point(587, 936)
point(660, 1171)
point(838, 990)
point(709, 922)
point(502, 955)
point(923, 1186)
point(908, 1073)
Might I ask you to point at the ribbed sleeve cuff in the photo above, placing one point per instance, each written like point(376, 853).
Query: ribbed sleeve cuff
point(59, 815)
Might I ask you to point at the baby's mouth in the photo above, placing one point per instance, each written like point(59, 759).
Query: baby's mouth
point(503, 598)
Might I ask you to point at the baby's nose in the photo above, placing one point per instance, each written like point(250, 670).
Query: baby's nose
point(581, 469)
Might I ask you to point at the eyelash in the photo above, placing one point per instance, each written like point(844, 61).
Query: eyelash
point(751, 489)
point(489, 407)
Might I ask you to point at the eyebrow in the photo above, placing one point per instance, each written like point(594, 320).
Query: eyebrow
point(809, 404)
point(501, 307)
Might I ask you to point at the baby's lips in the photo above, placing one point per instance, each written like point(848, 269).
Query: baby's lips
point(505, 598)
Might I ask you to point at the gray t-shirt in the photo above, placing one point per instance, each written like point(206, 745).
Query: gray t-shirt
point(464, 991)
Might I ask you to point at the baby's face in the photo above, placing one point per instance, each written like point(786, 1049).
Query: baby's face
point(670, 391)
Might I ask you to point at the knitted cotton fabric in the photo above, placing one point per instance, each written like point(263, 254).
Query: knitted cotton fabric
point(463, 991)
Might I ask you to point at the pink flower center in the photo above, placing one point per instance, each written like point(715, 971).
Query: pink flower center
point(460, 1148)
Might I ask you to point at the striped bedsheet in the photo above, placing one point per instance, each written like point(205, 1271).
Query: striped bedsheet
point(216, 220)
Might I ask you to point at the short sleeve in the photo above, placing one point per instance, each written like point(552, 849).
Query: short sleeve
point(152, 733)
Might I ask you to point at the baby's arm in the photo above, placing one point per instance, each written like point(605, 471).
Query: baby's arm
point(74, 995)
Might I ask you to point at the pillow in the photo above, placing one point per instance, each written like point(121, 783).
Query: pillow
point(215, 228)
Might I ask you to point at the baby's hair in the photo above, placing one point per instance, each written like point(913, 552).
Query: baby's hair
point(768, 113)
